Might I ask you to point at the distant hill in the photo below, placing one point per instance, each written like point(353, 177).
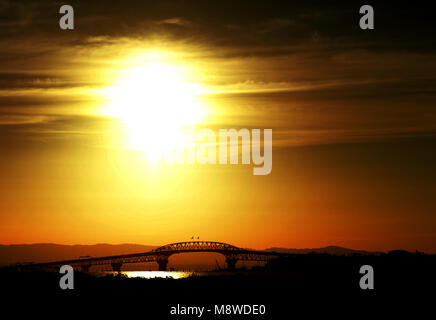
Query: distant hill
point(333, 250)
point(45, 252)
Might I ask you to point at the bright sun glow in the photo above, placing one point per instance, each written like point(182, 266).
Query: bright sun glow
point(155, 104)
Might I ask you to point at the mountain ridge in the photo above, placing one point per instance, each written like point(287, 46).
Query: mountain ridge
point(45, 252)
point(333, 250)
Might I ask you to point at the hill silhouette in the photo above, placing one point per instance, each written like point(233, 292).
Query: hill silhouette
point(333, 250)
point(46, 252)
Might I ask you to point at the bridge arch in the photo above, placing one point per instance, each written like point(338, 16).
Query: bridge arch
point(195, 246)
point(161, 255)
point(228, 250)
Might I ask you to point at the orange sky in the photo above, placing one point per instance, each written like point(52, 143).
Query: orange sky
point(353, 133)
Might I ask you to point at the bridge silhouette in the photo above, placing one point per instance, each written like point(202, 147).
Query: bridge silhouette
point(161, 255)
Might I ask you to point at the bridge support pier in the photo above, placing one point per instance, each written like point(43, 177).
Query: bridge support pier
point(116, 266)
point(162, 262)
point(231, 263)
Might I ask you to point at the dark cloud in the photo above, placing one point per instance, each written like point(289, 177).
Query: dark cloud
point(35, 81)
point(313, 51)
point(243, 24)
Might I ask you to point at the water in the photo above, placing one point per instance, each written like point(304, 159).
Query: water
point(170, 274)
point(155, 274)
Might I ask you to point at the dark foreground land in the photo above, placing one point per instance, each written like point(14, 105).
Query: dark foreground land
point(307, 283)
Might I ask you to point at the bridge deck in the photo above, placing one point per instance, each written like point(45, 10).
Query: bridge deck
point(162, 253)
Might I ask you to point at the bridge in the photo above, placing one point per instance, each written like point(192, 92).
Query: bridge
point(161, 255)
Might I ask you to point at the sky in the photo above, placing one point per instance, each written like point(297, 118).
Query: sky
point(352, 112)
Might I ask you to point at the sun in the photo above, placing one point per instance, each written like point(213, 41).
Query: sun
point(155, 104)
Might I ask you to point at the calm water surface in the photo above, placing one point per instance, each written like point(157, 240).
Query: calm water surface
point(167, 274)
point(154, 274)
